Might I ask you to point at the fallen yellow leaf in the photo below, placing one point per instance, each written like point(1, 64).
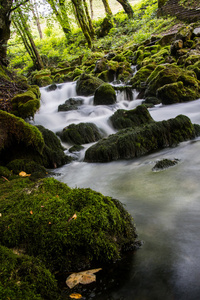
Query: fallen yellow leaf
point(23, 174)
point(73, 217)
point(75, 296)
point(84, 277)
point(31, 212)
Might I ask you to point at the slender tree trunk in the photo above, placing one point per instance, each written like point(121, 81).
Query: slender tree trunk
point(5, 10)
point(79, 11)
point(36, 17)
point(27, 37)
point(91, 9)
point(107, 7)
point(61, 17)
point(127, 8)
point(92, 33)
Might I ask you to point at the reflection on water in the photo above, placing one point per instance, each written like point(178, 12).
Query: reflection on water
point(166, 209)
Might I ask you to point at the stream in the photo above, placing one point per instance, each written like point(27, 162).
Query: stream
point(165, 205)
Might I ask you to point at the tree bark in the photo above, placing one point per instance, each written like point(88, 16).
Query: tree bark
point(92, 33)
point(107, 7)
point(5, 11)
point(61, 16)
point(91, 9)
point(80, 14)
point(127, 8)
point(27, 38)
point(36, 17)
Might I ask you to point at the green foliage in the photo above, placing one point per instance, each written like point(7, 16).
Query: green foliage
point(37, 218)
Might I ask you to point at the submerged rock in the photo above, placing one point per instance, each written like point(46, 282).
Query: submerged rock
point(70, 104)
point(130, 143)
point(66, 229)
point(131, 118)
point(165, 164)
point(81, 133)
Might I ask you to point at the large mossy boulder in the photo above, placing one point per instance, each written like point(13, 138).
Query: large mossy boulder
point(178, 92)
point(169, 75)
point(105, 95)
point(87, 84)
point(81, 133)
point(129, 143)
point(66, 229)
point(24, 277)
point(20, 140)
point(41, 78)
point(26, 104)
point(53, 155)
point(131, 118)
point(16, 134)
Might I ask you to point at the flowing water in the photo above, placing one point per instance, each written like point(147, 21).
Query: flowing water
point(165, 205)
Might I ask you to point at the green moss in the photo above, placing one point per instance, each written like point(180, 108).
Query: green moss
point(25, 105)
point(81, 133)
point(37, 218)
point(5, 172)
point(130, 143)
point(86, 85)
point(131, 118)
point(28, 166)
point(104, 95)
point(14, 131)
point(24, 277)
point(142, 75)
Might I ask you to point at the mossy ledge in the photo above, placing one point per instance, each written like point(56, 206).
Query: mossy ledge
point(134, 142)
point(66, 229)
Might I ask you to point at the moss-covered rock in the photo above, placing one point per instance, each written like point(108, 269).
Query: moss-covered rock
point(81, 133)
point(41, 78)
point(106, 25)
point(169, 74)
point(70, 104)
point(5, 172)
point(67, 229)
point(130, 143)
point(29, 166)
point(131, 118)
point(164, 164)
point(177, 92)
point(87, 84)
point(25, 105)
point(17, 136)
point(53, 154)
point(141, 76)
point(104, 95)
point(24, 277)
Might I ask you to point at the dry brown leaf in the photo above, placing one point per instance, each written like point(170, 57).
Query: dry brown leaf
point(75, 296)
point(23, 174)
point(84, 277)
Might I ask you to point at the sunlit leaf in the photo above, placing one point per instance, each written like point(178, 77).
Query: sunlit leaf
point(23, 174)
point(73, 217)
point(31, 212)
point(84, 277)
point(75, 296)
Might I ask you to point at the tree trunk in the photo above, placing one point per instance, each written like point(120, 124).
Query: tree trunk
point(27, 38)
point(91, 9)
point(127, 7)
point(107, 7)
point(5, 11)
point(92, 33)
point(61, 16)
point(79, 11)
point(36, 17)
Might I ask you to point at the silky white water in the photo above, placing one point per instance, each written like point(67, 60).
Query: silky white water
point(165, 205)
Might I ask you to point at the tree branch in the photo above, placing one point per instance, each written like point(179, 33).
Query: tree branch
point(18, 5)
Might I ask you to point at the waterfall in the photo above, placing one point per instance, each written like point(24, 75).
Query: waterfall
point(165, 205)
